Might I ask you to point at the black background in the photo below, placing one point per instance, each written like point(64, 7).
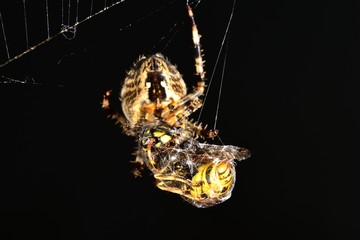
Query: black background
point(290, 95)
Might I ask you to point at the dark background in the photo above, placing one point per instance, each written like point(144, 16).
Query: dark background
point(290, 95)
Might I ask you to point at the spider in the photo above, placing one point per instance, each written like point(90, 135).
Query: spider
point(153, 106)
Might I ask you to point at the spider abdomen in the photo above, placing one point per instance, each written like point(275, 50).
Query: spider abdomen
point(152, 81)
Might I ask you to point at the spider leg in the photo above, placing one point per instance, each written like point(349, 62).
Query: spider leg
point(177, 111)
point(107, 104)
point(201, 131)
point(111, 103)
point(139, 166)
point(199, 63)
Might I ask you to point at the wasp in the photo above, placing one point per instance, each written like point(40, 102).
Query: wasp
point(203, 174)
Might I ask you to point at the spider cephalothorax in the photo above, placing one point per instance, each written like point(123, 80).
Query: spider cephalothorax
point(155, 107)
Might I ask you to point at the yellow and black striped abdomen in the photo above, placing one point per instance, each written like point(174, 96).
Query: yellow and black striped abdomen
point(213, 180)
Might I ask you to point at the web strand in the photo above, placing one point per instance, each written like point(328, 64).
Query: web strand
point(91, 7)
point(221, 84)
point(26, 25)
point(4, 35)
point(216, 63)
point(77, 11)
point(69, 13)
point(67, 29)
point(47, 19)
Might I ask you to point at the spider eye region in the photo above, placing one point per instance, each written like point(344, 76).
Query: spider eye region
point(155, 63)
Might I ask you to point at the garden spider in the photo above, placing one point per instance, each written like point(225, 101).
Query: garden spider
point(153, 105)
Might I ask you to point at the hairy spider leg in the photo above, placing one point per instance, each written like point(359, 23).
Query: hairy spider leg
point(180, 110)
point(199, 63)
